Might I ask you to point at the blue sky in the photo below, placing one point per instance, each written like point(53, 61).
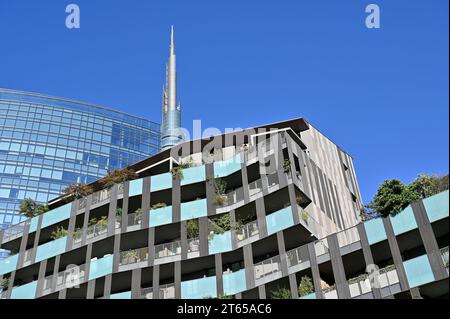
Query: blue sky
point(382, 95)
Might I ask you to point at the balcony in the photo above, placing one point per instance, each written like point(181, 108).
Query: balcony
point(359, 286)
point(193, 175)
point(267, 270)
point(165, 292)
point(228, 167)
point(51, 249)
point(168, 250)
point(160, 216)
point(69, 278)
point(8, 264)
point(330, 292)
point(308, 221)
point(13, 232)
point(279, 220)
point(27, 291)
point(199, 288)
point(132, 256)
point(194, 209)
point(298, 258)
point(218, 243)
point(234, 282)
point(247, 231)
point(193, 246)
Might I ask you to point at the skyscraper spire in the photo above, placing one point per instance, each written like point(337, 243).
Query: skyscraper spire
point(171, 117)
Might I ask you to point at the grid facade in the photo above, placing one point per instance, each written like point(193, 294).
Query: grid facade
point(48, 143)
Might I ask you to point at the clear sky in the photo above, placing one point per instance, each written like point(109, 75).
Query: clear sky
point(381, 94)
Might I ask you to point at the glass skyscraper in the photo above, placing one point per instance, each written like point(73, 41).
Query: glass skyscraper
point(48, 143)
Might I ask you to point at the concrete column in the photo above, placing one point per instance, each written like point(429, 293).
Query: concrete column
point(177, 277)
point(219, 274)
point(176, 200)
point(125, 205)
point(210, 189)
point(183, 238)
point(136, 275)
point(396, 255)
point(282, 252)
point(338, 268)
point(261, 217)
point(293, 286)
point(429, 241)
point(107, 286)
point(156, 282)
point(36, 238)
point(41, 277)
point(116, 252)
point(151, 246)
point(23, 244)
point(90, 289)
point(112, 211)
point(86, 219)
point(249, 268)
point(72, 222)
point(145, 204)
point(367, 252)
point(203, 235)
point(262, 291)
point(55, 272)
point(315, 271)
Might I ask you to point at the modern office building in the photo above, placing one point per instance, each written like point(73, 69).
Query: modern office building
point(47, 143)
point(256, 213)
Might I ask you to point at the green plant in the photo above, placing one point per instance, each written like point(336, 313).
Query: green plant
point(103, 221)
point(118, 176)
point(119, 211)
point(132, 254)
point(192, 228)
point(177, 172)
point(392, 197)
point(77, 233)
point(306, 286)
point(220, 187)
point(281, 293)
point(92, 222)
point(30, 208)
point(4, 283)
point(138, 214)
point(59, 233)
point(158, 205)
point(220, 224)
point(305, 216)
point(77, 190)
point(287, 166)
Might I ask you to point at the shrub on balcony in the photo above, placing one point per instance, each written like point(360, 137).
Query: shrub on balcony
point(4, 283)
point(220, 187)
point(77, 190)
point(138, 214)
point(77, 233)
point(192, 230)
point(119, 212)
point(118, 176)
point(281, 293)
point(306, 286)
point(30, 208)
point(177, 171)
point(287, 166)
point(220, 224)
point(59, 233)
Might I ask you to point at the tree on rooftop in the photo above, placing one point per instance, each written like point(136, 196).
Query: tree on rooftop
point(31, 208)
point(78, 190)
point(118, 176)
point(392, 197)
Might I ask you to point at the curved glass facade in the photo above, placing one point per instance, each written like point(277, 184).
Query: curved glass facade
point(47, 143)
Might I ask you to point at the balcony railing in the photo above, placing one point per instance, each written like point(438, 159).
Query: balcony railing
point(65, 279)
point(330, 292)
point(168, 249)
point(321, 247)
point(307, 220)
point(267, 267)
point(387, 276)
point(255, 187)
point(13, 231)
point(96, 230)
point(444, 255)
point(359, 285)
point(247, 231)
point(348, 236)
point(165, 292)
point(297, 255)
point(193, 245)
point(133, 256)
point(134, 219)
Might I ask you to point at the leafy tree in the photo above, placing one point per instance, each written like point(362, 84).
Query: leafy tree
point(281, 293)
point(30, 208)
point(392, 197)
point(78, 190)
point(192, 228)
point(425, 185)
point(306, 286)
point(118, 176)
